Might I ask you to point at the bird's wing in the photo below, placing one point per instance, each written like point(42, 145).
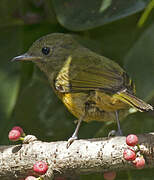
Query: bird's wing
point(89, 74)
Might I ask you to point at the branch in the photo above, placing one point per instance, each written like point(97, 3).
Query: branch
point(83, 156)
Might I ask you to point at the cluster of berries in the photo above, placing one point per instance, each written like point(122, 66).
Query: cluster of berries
point(16, 134)
point(133, 152)
point(40, 168)
point(130, 154)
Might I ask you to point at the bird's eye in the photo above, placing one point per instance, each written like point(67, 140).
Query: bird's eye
point(45, 50)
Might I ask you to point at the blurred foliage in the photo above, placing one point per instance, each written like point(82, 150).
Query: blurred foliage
point(82, 15)
point(146, 13)
point(25, 96)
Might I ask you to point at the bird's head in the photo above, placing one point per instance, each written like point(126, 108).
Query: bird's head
point(50, 51)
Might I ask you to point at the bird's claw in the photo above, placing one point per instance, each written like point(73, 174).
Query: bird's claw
point(114, 133)
point(111, 133)
point(71, 140)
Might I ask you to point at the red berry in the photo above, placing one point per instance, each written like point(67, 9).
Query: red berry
point(139, 162)
point(60, 178)
point(129, 154)
point(18, 128)
point(40, 167)
point(110, 175)
point(14, 135)
point(30, 178)
point(131, 140)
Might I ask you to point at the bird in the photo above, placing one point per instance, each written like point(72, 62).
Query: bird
point(91, 86)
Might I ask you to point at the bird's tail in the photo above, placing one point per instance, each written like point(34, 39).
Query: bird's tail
point(133, 101)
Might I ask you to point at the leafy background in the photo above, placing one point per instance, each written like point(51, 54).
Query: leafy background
point(112, 28)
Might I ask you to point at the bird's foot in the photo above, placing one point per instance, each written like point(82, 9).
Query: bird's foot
point(71, 140)
point(115, 133)
point(119, 132)
point(111, 133)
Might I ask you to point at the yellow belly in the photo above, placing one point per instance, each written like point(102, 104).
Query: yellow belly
point(105, 105)
point(75, 103)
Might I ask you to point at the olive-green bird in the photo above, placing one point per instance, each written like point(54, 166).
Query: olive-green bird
point(91, 86)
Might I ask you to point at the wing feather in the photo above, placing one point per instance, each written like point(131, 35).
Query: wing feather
point(84, 74)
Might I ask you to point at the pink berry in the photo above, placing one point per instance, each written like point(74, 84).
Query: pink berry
point(110, 175)
point(18, 128)
point(60, 178)
point(14, 135)
point(139, 162)
point(30, 178)
point(129, 154)
point(131, 140)
point(40, 167)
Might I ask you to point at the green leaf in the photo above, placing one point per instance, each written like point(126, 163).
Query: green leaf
point(140, 64)
point(9, 79)
point(79, 15)
point(146, 13)
point(105, 4)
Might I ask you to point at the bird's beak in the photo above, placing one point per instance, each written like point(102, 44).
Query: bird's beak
point(25, 57)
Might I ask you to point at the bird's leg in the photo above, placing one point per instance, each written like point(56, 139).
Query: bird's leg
point(75, 134)
point(119, 132)
point(113, 132)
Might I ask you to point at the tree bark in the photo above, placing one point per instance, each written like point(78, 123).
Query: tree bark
point(82, 157)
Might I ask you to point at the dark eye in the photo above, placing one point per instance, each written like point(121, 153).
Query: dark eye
point(45, 50)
